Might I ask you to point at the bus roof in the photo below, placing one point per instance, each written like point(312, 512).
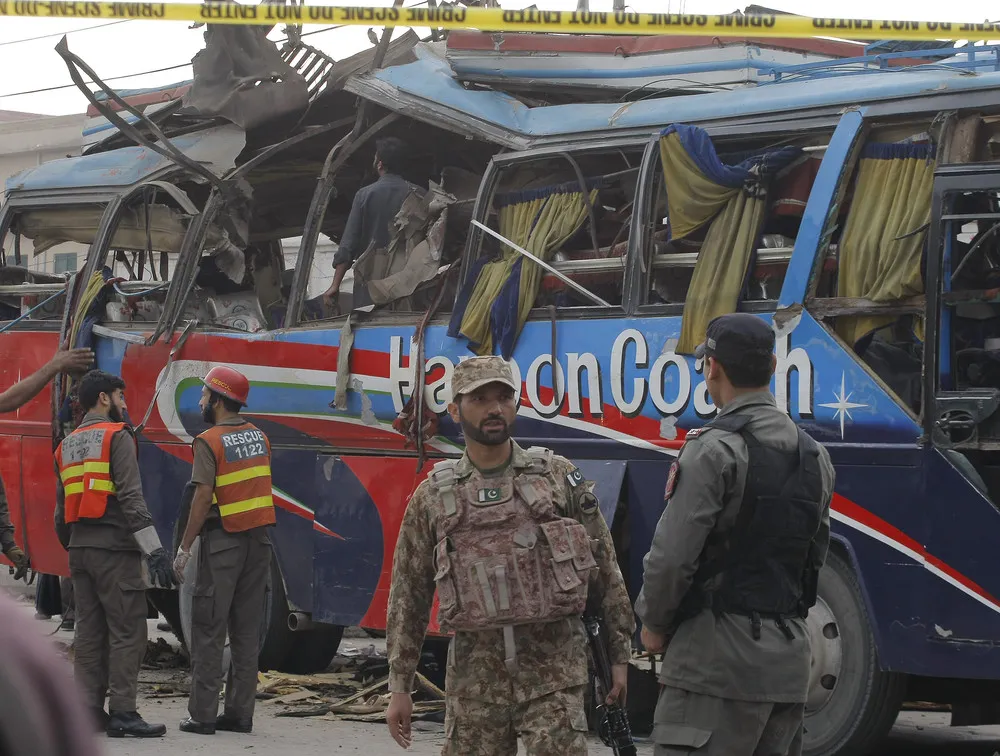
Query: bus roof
point(428, 89)
point(428, 86)
point(217, 148)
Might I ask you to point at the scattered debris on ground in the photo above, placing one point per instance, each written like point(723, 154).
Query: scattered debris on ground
point(355, 688)
point(161, 655)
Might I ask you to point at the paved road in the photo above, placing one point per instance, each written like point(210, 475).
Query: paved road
point(915, 734)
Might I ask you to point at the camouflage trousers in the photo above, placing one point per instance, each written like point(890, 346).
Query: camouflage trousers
point(691, 723)
point(553, 725)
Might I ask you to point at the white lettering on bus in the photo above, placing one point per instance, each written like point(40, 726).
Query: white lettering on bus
point(668, 382)
point(632, 406)
point(577, 363)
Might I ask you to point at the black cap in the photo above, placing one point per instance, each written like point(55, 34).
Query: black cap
point(730, 338)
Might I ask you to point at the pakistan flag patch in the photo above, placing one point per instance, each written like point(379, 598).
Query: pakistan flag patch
point(575, 478)
point(489, 495)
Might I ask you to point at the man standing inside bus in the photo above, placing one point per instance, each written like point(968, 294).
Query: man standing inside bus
point(231, 510)
point(22, 392)
point(102, 519)
point(372, 212)
point(514, 541)
point(733, 566)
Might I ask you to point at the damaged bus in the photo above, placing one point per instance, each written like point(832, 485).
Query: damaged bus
point(854, 209)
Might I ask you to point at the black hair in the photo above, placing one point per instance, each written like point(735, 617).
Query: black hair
point(231, 405)
point(391, 152)
point(95, 383)
point(752, 371)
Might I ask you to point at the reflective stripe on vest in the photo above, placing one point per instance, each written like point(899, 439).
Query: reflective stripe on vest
point(84, 461)
point(242, 476)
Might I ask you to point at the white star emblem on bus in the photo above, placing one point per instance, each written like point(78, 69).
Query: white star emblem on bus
point(843, 406)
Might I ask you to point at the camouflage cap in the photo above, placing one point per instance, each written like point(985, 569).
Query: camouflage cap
point(478, 371)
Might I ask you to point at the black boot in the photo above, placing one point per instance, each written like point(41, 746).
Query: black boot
point(196, 727)
point(130, 724)
point(234, 724)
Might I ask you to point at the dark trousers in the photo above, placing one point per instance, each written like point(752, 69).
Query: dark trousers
point(110, 639)
point(228, 595)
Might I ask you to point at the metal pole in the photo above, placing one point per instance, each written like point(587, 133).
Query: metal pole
point(565, 279)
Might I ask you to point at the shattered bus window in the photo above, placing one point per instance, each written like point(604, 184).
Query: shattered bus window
point(767, 218)
point(538, 205)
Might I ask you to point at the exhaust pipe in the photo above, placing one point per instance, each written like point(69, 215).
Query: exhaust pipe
point(298, 621)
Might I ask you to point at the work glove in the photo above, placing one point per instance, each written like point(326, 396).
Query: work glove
point(21, 564)
point(180, 562)
point(160, 573)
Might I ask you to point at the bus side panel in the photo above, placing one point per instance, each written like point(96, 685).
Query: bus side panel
point(24, 352)
point(165, 471)
point(39, 492)
point(963, 538)
point(359, 506)
point(646, 483)
point(292, 484)
point(10, 472)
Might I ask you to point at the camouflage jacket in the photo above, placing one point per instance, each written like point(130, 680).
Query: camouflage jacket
point(550, 656)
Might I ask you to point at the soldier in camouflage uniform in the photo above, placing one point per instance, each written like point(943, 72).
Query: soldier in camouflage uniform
point(513, 541)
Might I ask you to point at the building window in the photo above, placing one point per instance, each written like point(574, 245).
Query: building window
point(65, 262)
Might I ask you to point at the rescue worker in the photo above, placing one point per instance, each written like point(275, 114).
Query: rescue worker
point(733, 565)
point(22, 392)
point(231, 510)
point(102, 519)
point(513, 540)
point(372, 212)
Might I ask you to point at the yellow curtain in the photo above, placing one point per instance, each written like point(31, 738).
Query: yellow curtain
point(721, 267)
point(879, 251)
point(735, 215)
point(540, 225)
point(693, 199)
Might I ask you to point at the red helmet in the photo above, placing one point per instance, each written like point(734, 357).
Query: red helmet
point(230, 383)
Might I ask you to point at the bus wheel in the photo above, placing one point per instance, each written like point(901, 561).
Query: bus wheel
point(313, 649)
point(852, 703)
point(302, 652)
point(277, 639)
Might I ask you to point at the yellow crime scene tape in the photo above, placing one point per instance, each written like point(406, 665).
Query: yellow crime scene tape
point(499, 20)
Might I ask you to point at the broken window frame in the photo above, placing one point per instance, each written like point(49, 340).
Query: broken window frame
point(975, 405)
point(487, 193)
point(726, 137)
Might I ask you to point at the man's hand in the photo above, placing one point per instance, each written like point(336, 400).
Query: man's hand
point(20, 561)
point(398, 716)
point(161, 574)
point(331, 305)
point(180, 562)
point(72, 360)
point(652, 642)
point(619, 685)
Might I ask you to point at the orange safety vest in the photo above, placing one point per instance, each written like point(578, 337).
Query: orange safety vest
point(242, 476)
point(84, 460)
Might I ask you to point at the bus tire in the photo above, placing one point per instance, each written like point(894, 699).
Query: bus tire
point(313, 649)
point(852, 702)
point(278, 639)
point(168, 605)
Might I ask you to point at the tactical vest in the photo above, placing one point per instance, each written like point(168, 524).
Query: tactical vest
point(242, 476)
point(505, 556)
point(761, 566)
point(84, 461)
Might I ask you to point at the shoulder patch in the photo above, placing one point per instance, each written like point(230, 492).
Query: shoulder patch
point(575, 477)
point(588, 502)
point(694, 433)
point(672, 476)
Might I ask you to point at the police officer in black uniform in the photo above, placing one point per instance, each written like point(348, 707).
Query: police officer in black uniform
point(734, 560)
